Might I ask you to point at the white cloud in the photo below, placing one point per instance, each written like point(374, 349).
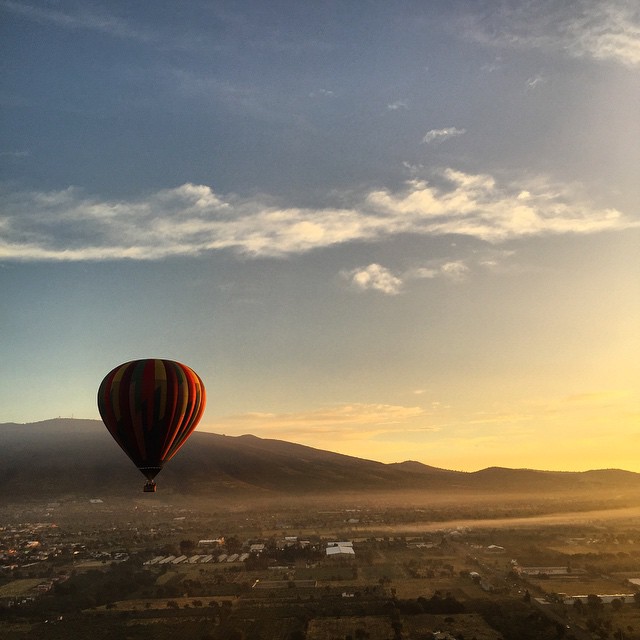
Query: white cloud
point(422, 273)
point(534, 81)
point(192, 220)
point(398, 104)
point(374, 277)
point(596, 29)
point(321, 92)
point(455, 270)
point(439, 135)
point(477, 206)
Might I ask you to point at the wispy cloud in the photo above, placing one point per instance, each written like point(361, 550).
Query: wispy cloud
point(534, 81)
point(235, 28)
point(191, 220)
point(341, 421)
point(87, 17)
point(476, 205)
point(322, 93)
point(440, 135)
point(214, 89)
point(597, 398)
point(260, 102)
point(456, 270)
point(14, 154)
point(596, 29)
point(398, 104)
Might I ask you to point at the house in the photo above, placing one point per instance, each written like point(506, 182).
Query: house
point(211, 542)
point(340, 550)
point(340, 544)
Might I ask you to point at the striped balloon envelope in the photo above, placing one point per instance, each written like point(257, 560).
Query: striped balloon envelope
point(151, 407)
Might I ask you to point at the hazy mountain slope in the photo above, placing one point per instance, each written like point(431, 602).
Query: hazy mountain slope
point(417, 467)
point(79, 456)
point(65, 455)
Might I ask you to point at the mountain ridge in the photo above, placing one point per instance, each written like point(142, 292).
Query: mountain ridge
point(61, 455)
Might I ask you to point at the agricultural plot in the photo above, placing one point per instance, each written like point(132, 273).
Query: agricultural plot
point(598, 547)
point(461, 625)
point(14, 630)
point(166, 578)
point(409, 588)
point(156, 604)
point(324, 573)
point(583, 585)
point(370, 627)
point(388, 570)
point(18, 588)
point(627, 619)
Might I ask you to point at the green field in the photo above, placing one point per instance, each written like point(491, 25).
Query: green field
point(19, 588)
point(370, 627)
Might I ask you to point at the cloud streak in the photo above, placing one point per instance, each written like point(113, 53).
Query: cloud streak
point(341, 422)
point(397, 105)
point(191, 220)
point(440, 135)
point(595, 29)
point(85, 18)
point(534, 81)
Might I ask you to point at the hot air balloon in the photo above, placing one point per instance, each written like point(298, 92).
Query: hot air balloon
point(151, 407)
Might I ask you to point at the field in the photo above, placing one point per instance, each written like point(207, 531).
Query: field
point(582, 585)
point(370, 627)
point(155, 604)
point(19, 588)
point(462, 625)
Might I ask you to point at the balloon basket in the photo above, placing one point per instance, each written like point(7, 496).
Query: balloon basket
point(150, 487)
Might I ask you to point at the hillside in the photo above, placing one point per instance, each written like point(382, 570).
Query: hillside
point(65, 456)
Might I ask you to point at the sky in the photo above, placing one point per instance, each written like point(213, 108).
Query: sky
point(395, 230)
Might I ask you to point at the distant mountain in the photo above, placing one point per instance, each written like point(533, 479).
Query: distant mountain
point(66, 456)
point(417, 467)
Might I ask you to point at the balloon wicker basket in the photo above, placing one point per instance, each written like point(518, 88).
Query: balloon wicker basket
point(150, 487)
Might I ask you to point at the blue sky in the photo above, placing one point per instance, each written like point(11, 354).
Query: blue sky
point(395, 230)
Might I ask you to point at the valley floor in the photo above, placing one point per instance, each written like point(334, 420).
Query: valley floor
point(507, 568)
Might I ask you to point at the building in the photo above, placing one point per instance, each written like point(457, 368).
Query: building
point(340, 550)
